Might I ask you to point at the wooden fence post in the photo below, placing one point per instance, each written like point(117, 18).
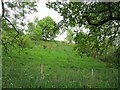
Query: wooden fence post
point(92, 78)
point(41, 71)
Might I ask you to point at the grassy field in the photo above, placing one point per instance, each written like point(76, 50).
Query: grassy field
point(62, 68)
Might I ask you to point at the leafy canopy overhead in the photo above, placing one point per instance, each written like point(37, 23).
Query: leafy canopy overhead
point(102, 19)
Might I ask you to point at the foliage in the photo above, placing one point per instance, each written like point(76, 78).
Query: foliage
point(117, 57)
point(8, 40)
point(45, 29)
point(16, 12)
point(49, 28)
point(34, 31)
point(25, 41)
point(101, 18)
point(8, 35)
point(113, 59)
point(70, 34)
point(102, 28)
point(82, 43)
point(13, 21)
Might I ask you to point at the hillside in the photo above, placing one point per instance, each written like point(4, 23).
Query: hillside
point(62, 67)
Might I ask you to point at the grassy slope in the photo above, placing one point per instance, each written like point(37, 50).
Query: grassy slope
point(63, 67)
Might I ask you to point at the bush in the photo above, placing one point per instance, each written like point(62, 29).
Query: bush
point(111, 56)
point(112, 59)
point(25, 41)
point(116, 57)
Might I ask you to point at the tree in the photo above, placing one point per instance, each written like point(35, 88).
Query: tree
point(13, 16)
point(101, 18)
point(70, 34)
point(49, 28)
point(43, 29)
point(8, 34)
point(15, 12)
point(34, 30)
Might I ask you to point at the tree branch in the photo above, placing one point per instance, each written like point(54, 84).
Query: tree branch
point(110, 17)
point(11, 24)
point(3, 10)
point(117, 4)
point(109, 9)
point(101, 22)
point(98, 11)
point(3, 16)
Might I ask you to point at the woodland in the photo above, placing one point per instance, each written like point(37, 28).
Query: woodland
point(88, 59)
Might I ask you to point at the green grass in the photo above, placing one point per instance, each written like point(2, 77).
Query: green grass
point(62, 68)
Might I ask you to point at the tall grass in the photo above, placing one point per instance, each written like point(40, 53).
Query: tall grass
point(62, 68)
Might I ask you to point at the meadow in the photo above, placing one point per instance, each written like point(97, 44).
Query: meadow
point(62, 68)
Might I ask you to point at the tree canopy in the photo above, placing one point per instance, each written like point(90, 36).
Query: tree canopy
point(102, 19)
point(49, 28)
point(45, 29)
point(34, 30)
point(70, 35)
